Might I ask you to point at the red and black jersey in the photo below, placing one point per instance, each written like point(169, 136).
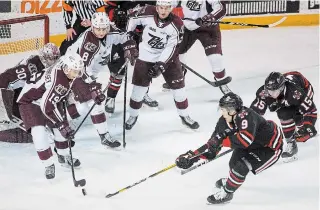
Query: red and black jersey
point(298, 92)
point(251, 131)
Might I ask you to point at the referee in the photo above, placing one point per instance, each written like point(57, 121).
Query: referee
point(84, 9)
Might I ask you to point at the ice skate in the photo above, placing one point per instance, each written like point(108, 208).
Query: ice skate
point(131, 122)
point(110, 105)
point(290, 152)
point(66, 161)
point(165, 87)
point(222, 84)
point(149, 101)
point(50, 171)
point(220, 197)
point(108, 141)
point(189, 122)
point(221, 183)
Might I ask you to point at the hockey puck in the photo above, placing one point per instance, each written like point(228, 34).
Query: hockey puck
point(84, 192)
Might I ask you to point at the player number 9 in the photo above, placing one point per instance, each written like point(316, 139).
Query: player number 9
point(244, 124)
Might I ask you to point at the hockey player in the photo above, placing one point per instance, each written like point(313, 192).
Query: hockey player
point(13, 79)
point(95, 47)
point(40, 104)
point(158, 55)
point(205, 12)
point(83, 13)
point(118, 12)
point(256, 144)
point(291, 96)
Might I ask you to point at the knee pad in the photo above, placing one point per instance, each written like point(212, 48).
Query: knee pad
point(40, 138)
point(216, 62)
point(138, 93)
point(242, 167)
point(97, 109)
point(179, 95)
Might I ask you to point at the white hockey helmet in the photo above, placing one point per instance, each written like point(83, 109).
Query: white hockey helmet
point(164, 3)
point(48, 54)
point(73, 62)
point(100, 20)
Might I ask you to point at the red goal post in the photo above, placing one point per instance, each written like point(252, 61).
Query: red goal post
point(22, 34)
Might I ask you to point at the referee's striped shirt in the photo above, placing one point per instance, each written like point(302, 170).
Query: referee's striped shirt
point(84, 9)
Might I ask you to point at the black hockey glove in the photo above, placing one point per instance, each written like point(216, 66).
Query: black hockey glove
point(130, 51)
point(214, 144)
point(186, 160)
point(66, 131)
point(206, 21)
point(274, 106)
point(156, 70)
point(96, 92)
point(120, 18)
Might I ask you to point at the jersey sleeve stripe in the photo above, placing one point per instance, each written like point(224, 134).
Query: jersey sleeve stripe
point(242, 141)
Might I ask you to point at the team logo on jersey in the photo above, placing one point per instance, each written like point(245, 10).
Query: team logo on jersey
point(116, 56)
point(105, 60)
point(90, 47)
point(193, 5)
point(296, 95)
point(61, 90)
point(156, 42)
point(32, 68)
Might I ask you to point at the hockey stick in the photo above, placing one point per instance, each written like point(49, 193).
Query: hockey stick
point(142, 180)
point(226, 81)
point(145, 179)
point(197, 74)
point(244, 24)
point(124, 111)
point(205, 162)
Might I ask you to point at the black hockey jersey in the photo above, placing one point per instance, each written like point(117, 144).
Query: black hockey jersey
point(298, 92)
point(250, 131)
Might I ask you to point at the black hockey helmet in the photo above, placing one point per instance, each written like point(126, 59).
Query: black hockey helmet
point(231, 101)
point(274, 81)
point(274, 84)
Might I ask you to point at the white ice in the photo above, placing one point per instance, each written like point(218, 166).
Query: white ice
point(159, 137)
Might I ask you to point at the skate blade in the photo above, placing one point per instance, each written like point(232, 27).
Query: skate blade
point(67, 166)
point(117, 149)
point(290, 159)
point(218, 204)
point(191, 129)
point(166, 90)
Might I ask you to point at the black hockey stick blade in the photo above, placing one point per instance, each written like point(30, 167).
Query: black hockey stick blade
point(111, 194)
point(245, 24)
point(81, 183)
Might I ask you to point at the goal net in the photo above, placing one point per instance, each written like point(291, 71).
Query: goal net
point(22, 34)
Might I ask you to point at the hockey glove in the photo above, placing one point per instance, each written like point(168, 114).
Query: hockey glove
point(156, 70)
point(206, 21)
point(130, 51)
point(186, 160)
point(214, 144)
point(96, 93)
point(66, 131)
point(275, 106)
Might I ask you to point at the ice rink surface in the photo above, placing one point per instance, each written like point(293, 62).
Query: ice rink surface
point(159, 137)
